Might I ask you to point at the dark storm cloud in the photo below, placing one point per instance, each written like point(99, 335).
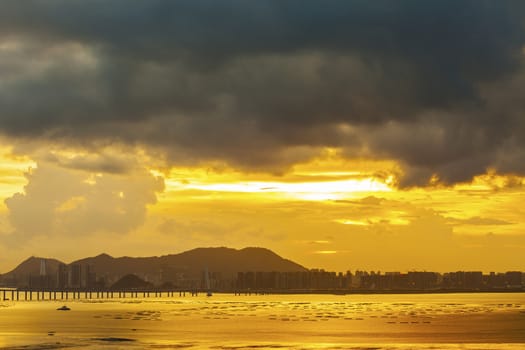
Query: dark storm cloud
point(264, 84)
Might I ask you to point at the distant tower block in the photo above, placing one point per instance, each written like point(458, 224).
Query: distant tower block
point(43, 267)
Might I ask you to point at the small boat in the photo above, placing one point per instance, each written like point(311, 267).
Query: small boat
point(63, 308)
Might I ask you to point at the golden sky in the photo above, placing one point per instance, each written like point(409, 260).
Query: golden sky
point(329, 212)
point(357, 135)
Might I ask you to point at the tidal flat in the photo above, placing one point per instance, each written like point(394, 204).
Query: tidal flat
point(416, 321)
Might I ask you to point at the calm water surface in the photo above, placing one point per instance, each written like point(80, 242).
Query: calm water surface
point(421, 321)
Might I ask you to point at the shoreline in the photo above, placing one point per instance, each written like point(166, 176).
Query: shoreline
point(393, 291)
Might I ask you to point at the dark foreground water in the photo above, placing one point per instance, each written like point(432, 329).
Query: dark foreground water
point(421, 321)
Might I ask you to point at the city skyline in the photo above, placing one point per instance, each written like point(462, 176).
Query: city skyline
point(246, 272)
point(108, 259)
point(361, 135)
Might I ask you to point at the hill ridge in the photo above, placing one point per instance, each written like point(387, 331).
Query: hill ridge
point(188, 265)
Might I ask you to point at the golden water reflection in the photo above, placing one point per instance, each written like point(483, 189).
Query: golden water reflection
point(476, 321)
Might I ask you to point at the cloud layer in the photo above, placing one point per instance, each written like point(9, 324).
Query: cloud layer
point(435, 85)
point(59, 201)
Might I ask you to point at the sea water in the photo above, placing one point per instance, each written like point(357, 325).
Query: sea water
point(223, 321)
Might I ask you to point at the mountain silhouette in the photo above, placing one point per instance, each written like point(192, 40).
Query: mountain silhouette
point(190, 264)
point(31, 267)
point(131, 282)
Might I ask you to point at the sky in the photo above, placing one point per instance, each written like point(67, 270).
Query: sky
point(372, 135)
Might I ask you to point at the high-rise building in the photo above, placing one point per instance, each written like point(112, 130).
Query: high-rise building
point(43, 270)
point(75, 276)
point(88, 277)
point(62, 276)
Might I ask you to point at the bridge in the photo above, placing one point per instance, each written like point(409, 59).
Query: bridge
point(16, 294)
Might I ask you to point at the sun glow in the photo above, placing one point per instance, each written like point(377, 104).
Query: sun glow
point(328, 177)
point(328, 190)
point(327, 204)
